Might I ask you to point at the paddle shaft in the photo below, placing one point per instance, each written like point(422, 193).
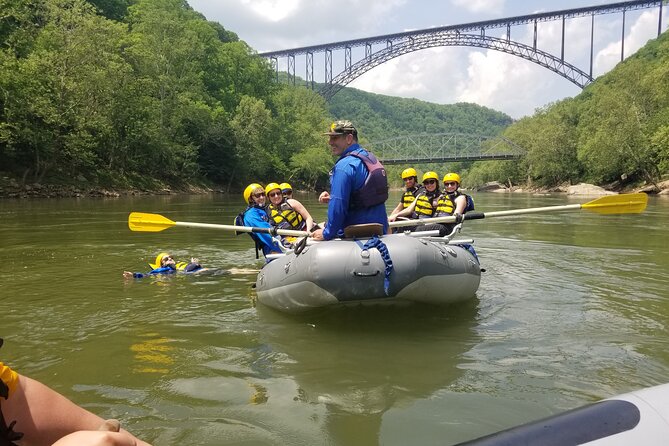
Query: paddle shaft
point(610, 204)
point(480, 215)
point(270, 231)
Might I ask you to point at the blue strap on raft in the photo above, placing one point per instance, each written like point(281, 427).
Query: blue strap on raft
point(375, 242)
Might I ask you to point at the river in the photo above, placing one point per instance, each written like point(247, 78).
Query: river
point(573, 307)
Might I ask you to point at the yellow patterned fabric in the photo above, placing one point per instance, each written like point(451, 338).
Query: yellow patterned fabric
point(9, 377)
point(424, 207)
point(445, 206)
point(285, 213)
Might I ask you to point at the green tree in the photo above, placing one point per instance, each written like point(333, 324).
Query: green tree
point(59, 112)
point(312, 165)
point(660, 143)
point(112, 9)
point(549, 138)
point(299, 122)
point(612, 138)
point(168, 47)
point(255, 156)
point(20, 22)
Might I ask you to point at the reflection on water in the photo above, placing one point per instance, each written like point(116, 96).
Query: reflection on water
point(360, 362)
point(572, 308)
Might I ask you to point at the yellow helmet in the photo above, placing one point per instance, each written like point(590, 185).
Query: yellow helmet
point(410, 172)
point(272, 186)
point(430, 176)
point(285, 186)
point(249, 190)
point(452, 177)
point(159, 258)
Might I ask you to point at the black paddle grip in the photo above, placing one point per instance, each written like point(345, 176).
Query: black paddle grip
point(474, 215)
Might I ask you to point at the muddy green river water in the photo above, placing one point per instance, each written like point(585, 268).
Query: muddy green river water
point(573, 307)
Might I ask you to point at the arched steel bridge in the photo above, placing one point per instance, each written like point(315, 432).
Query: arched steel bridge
point(424, 148)
point(468, 34)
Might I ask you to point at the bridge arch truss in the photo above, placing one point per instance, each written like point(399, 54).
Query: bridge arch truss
point(468, 34)
point(546, 60)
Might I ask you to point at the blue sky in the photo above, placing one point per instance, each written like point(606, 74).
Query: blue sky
point(443, 75)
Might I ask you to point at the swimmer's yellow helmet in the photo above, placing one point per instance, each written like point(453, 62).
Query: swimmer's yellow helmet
point(159, 257)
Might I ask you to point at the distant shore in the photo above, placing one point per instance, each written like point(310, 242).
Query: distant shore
point(12, 189)
point(660, 188)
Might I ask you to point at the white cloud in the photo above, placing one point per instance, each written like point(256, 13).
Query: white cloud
point(504, 82)
point(428, 74)
point(273, 10)
point(481, 6)
point(295, 23)
point(642, 30)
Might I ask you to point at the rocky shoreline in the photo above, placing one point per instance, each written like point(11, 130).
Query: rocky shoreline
point(661, 188)
point(12, 189)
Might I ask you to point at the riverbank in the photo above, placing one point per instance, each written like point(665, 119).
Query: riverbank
point(660, 188)
point(11, 188)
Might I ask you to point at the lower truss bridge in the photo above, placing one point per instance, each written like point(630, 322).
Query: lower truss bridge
point(422, 148)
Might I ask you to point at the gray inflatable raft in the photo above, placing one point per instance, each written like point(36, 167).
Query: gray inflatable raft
point(341, 272)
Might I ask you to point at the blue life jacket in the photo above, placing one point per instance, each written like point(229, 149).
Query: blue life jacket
point(470, 201)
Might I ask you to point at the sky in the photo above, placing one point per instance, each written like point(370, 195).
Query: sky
point(443, 75)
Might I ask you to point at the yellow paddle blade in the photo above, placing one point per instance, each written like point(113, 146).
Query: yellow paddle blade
point(141, 222)
point(618, 204)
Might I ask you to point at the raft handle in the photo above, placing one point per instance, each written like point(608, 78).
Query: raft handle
point(356, 273)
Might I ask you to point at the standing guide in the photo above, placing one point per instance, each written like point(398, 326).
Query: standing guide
point(358, 185)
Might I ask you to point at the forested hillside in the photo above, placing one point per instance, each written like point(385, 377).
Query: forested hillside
point(615, 132)
point(383, 116)
point(143, 93)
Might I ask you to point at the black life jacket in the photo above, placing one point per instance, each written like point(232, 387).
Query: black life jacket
point(7, 433)
point(284, 216)
point(426, 204)
point(375, 189)
point(446, 204)
point(410, 195)
point(239, 221)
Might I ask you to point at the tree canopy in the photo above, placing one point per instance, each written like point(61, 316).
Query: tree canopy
point(615, 131)
point(129, 92)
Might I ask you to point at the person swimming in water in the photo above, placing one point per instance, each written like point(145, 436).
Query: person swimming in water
point(165, 264)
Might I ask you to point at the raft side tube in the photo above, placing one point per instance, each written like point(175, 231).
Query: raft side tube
point(576, 427)
point(343, 272)
point(636, 418)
